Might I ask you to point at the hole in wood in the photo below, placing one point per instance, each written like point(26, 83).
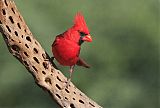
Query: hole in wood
point(52, 70)
point(81, 101)
point(5, 1)
point(67, 90)
point(58, 86)
point(66, 98)
point(22, 36)
point(13, 10)
point(59, 78)
point(8, 28)
point(44, 56)
point(44, 72)
point(11, 19)
point(36, 42)
point(20, 18)
point(80, 94)
point(26, 45)
point(19, 26)
point(48, 80)
point(25, 53)
point(74, 92)
point(35, 68)
point(25, 63)
point(3, 12)
point(0, 22)
point(15, 48)
point(25, 30)
point(73, 98)
point(16, 33)
point(58, 96)
point(28, 38)
point(35, 59)
point(91, 104)
point(72, 105)
point(45, 65)
point(35, 50)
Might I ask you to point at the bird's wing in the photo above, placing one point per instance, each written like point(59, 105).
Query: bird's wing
point(81, 62)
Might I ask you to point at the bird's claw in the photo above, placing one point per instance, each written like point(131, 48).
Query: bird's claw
point(67, 83)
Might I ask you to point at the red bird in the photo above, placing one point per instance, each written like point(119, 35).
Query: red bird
point(66, 47)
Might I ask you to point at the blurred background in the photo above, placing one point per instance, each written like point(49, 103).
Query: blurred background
point(124, 54)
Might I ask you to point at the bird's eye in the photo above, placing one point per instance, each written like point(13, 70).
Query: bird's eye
point(82, 34)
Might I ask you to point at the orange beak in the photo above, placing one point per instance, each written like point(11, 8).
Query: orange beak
point(87, 38)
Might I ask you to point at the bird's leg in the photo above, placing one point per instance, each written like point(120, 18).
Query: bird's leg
point(70, 75)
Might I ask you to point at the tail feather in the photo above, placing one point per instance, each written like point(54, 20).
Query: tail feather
point(81, 62)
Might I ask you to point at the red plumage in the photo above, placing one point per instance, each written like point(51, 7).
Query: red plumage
point(66, 47)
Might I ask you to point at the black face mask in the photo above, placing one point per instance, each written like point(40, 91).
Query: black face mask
point(82, 34)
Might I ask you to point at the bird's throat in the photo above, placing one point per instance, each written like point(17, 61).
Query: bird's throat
point(80, 41)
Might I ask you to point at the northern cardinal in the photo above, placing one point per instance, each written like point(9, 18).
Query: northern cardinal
point(66, 47)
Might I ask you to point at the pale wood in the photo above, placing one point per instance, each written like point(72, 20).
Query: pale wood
point(29, 52)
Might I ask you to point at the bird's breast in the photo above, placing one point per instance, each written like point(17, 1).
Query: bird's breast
point(65, 51)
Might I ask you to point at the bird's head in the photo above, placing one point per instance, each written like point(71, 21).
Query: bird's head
point(81, 28)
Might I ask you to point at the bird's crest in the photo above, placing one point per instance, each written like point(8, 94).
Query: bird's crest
point(80, 24)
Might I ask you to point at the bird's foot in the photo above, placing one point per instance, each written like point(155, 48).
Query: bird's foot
point(51, 59)
point(67, 84)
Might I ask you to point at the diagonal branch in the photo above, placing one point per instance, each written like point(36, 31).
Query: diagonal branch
point(29, 52)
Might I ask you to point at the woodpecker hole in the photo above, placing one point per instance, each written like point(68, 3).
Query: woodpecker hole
point(35, 68)
point(5, 1)
point(45, 65)
point(81, 101)
point(35, 50)
point(48, 80)
point(36, 43)
point(67, 90)
point(58, 96)
point(19, 26)
point(66, 98)
point(28, 38)
point(3, 12)
point(59, 78)
point(15, 48)
point(11, 19)
point(44, 56)
point(25, 62)
point(20, 18)
point(91, 104)
point(35, 59)
point(16, 33)
point(25, 30)
point(44, 72)
point(26, 45)
point(72, 105)
point(58, 86)
point(8, 28)
point(13, 10)
point(80, 94)
point(25, 53)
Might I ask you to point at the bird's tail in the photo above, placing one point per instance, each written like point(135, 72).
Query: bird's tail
point(81, 62)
